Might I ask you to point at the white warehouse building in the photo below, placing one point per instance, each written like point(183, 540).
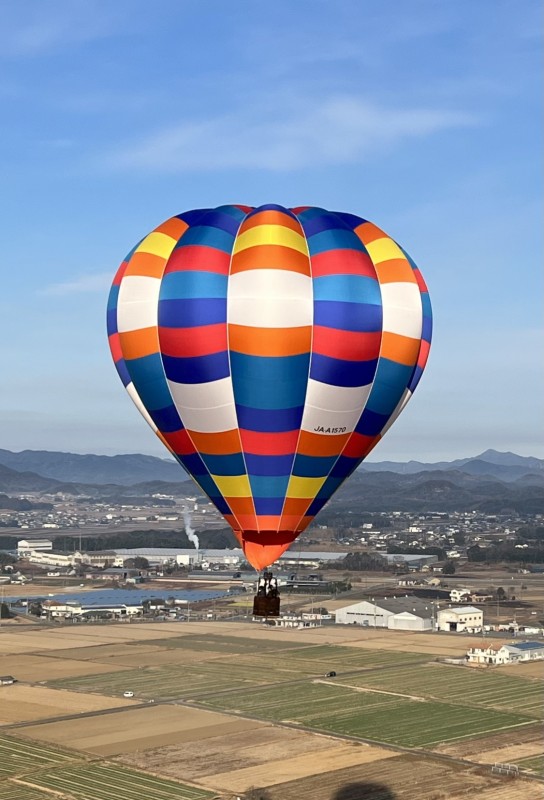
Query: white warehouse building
point(25, 546)
point(460, 618)
point(400, 614)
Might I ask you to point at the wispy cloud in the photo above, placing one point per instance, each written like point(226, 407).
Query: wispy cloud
point(84, 284)
point(34, 29)
point(335, 130)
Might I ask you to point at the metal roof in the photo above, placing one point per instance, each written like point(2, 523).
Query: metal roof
point(527, 645)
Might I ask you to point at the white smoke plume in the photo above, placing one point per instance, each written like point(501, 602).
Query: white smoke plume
point(189, 530)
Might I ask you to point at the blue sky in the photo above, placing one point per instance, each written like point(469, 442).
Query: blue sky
point(423, 116)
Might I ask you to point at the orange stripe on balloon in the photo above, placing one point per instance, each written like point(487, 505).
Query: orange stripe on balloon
point(270, 256)
point(402, 349)
point(269, 341)
point(147, 265)
point(368, 232)
point(396, 270)
point(271, 217)
point(268, 522)
point(139, 343)
point(241, 506)
point(317, 444)
point(295, 506)
point(174, 227)
point(216, 444)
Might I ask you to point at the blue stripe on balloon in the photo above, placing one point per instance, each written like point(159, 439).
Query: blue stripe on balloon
point(268, 505)
point(334, 240)
point(113, 297)
point(316, 506)
point(166, 419)
point(329, 487)
point(359, 317)
point(323, 222)
point(337, 372)
point(123, 372)
point(232, 464)
point(268, 465)
point(193, 284)
point(192, 313)
point(268, 421)
point(148, 377)
point(208, 237)
point(416, 377)
point(193, 216)
point(427, 329)
point(350, 220)
point(426, 304)
point(343, 467)
point(353, 288)
point(370, 423)
point(222, 221)
point(195, 466)
point(220, 503)
point(389, 384)
point(269, 485)
point(199, 369)
point(111, 320)
point(313, 466)
point(269, 383)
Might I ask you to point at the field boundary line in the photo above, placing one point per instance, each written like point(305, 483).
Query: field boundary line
point(375, 691)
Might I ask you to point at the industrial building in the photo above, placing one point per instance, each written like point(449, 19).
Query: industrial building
point(461, 618)
point(514, 653)
point(410, 560)
point(400, 614)
point(26, 546)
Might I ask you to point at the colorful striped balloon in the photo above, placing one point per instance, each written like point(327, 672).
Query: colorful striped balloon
point(270, 349)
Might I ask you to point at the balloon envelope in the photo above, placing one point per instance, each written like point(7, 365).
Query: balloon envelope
point(270, 349)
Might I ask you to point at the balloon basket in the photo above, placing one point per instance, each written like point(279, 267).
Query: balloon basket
point(266, 602)
point(266, 606)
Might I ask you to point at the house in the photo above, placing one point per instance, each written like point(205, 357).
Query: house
point(401, 614)
point(515, 653)
point(458, 595)
point(460, 618)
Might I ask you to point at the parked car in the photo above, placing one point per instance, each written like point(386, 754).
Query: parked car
point(331, 674)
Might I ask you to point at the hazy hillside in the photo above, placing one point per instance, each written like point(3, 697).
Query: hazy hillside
point(124, 469)
point(474, 484)
point(506, 466)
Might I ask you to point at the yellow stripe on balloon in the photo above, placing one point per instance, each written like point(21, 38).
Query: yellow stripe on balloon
point(383, 250)
point(304, 487)
point(158, 244)
point(233, 485)
point(270, 234)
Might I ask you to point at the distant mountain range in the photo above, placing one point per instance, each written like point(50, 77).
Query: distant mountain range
point(491, 482)
point(124, 470)
point(505, 466)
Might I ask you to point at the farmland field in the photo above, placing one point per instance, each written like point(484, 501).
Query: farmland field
point(534, 765)
point(17, 755)
point(111, 782)
point(369, 715)
point(459, 685)
point(232, 683)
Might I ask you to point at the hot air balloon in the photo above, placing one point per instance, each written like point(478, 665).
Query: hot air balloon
point(270, 349)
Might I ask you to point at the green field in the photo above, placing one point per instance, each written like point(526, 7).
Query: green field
point(370, 715)
point(217, 644)
point(18, 755)
point(185, 681)
point(535, 764)
point(459, 685)
point(111, 782)
point(16, 791)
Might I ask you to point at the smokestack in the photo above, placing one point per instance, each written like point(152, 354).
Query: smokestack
point(189, 530)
